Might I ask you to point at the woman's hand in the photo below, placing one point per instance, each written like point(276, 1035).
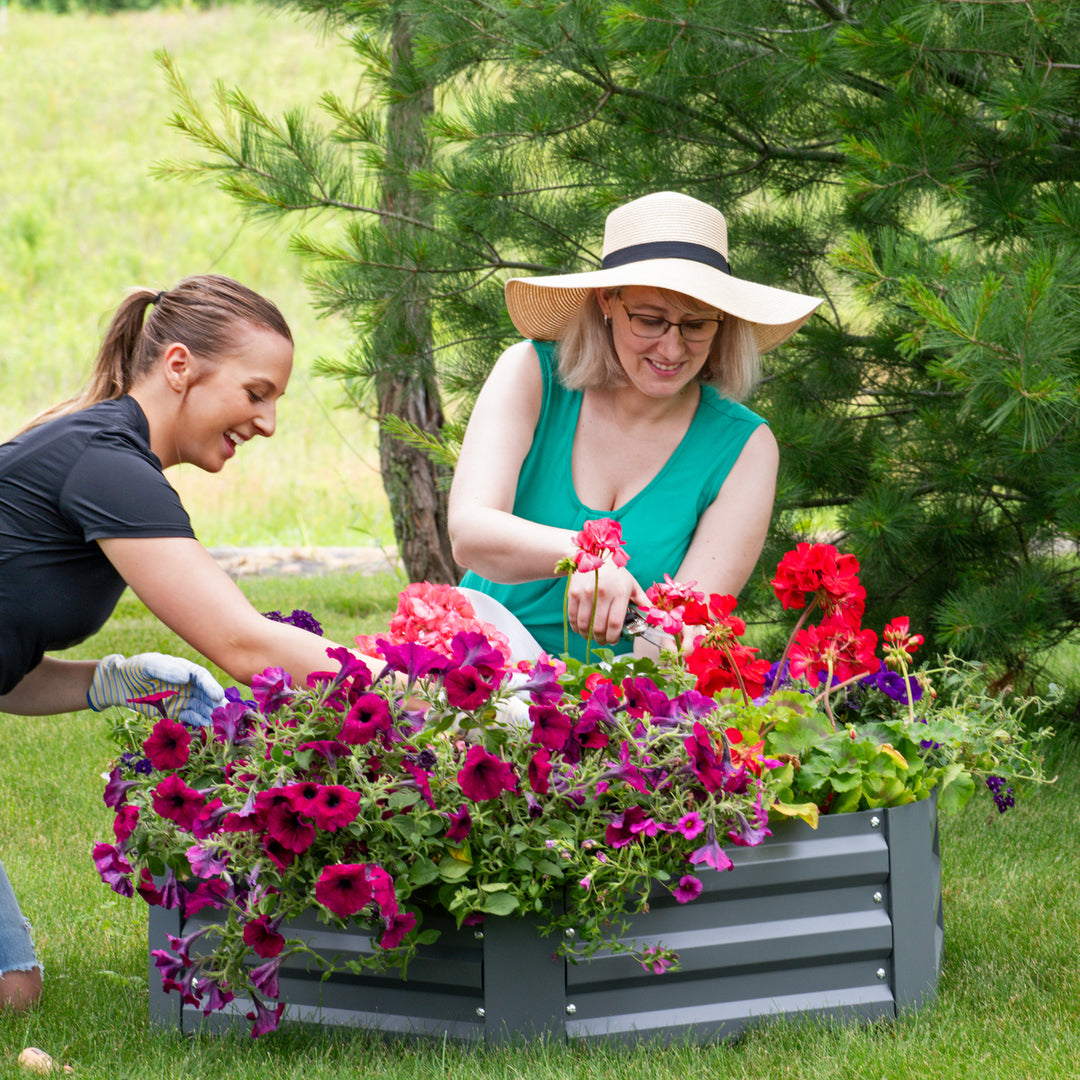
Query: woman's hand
point(613, 589)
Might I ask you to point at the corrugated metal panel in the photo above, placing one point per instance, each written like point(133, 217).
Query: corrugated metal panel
point(844, 921)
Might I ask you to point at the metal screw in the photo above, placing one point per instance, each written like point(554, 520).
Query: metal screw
point(570, 932)
point(875, 821)
point(479, 935)
point(880, 973)
point(571, 1009)
point(480, 1013)
point(877, 898)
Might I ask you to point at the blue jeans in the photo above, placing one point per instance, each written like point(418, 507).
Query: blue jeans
point(16, 944)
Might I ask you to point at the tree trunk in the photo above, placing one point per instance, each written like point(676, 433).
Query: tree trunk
point(415, 486)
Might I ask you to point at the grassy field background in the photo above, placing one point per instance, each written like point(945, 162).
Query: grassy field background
point(84, 115)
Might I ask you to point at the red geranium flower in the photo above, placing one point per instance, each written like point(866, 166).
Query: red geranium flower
point(835, 645)
point(829, 577)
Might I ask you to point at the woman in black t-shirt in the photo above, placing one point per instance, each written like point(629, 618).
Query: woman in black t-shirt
point(185, 375)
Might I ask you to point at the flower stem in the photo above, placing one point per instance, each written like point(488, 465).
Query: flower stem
point(790, 641)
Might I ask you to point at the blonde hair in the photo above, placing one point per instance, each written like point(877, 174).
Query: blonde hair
point(587, 357)
point(204, 312)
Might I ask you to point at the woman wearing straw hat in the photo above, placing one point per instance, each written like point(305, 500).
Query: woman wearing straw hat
point(624, 403)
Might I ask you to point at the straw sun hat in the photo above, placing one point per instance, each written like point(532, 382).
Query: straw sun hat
point(666, 241)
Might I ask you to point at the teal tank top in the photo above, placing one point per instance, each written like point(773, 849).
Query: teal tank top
point(658, 523)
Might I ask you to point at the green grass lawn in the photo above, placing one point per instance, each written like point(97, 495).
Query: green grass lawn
point(1008, 1003)
point(84, 114)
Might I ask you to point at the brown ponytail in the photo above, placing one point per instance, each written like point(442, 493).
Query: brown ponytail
point(202, 312)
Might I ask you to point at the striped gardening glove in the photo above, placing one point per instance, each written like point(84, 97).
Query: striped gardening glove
point(193, 692)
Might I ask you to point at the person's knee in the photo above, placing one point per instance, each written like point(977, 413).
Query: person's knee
point(20, 990)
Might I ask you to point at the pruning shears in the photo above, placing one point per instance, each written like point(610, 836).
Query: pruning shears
point(635, 625)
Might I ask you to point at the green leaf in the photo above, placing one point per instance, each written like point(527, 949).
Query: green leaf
point(450, 869)
point(499, 903)
point(423, 872)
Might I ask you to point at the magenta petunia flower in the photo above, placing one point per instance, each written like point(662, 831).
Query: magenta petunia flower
point(422, 778)
point(264, 977)
point(485, 776)
point(460, 825)
point(207, 861)
point(302, 795)
point(368, 717)
point(626, 827)
point(412, 659)
point(214, 894)
point(653, 960)
point(127, 818)
point(691, 825)
point(231, 722)
point(343, 888)
point(262, 935)
point(397, 926)
point(114, 869)
point(265, 1019)
point(711, 853)
point(540, 772)
point(335, 807)
point(465, 689)
point(382, 891)
point(168, 746)
point(470, 648)
point(271, 689)
point(116, 790)
point(281, 856)
point(288, 828)
point(174, 800)
point(217, 997)
point(551, 728)
point(689, 888)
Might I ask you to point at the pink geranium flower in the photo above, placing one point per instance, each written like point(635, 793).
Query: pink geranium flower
point(596, 540)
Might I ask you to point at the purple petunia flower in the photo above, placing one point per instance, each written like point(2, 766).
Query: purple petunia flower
point(272, 688)
point(711, 853)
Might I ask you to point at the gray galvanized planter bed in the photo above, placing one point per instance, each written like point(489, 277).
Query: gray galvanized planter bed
point(844, 922)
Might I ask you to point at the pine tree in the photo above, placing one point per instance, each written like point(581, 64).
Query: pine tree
point(915, 162)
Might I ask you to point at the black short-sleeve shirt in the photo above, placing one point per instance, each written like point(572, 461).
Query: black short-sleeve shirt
point(64, 485)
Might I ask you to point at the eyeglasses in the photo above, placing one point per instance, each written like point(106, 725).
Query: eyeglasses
point(652, 326)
